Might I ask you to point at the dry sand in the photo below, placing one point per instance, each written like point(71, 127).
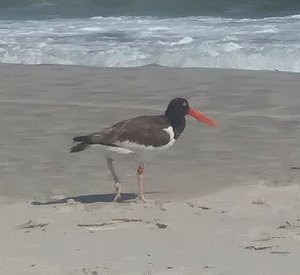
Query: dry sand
point(224, 200)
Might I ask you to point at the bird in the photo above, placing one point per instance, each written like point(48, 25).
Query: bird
point(141, 134)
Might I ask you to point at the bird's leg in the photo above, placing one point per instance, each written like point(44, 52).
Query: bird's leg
point(140, 178)
point(117, 183)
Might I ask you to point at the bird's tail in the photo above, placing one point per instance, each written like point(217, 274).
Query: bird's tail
point(85, 141)
point(79, 147)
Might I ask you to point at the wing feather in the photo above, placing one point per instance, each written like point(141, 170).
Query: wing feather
point(145, 130)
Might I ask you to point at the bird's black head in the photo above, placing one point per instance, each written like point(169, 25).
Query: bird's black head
point(176, 111)
point(177, 108)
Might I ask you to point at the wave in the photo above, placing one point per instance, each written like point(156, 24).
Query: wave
point(258, 44)
point(124, 57)
point(170, 8)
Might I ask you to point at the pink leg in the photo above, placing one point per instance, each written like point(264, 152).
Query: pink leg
point(140, 178)
point(117, 183)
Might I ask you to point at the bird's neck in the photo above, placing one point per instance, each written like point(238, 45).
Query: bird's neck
point(178, 124)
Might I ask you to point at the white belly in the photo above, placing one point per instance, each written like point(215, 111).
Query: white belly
point(131, 146)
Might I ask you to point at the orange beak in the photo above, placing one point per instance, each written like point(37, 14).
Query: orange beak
point(197, 115)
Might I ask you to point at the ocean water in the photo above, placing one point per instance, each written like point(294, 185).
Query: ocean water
point(237, 34)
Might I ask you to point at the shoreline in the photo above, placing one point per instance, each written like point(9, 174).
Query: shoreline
point(154, 65)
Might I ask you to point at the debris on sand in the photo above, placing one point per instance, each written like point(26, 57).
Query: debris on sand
point(161, 225)
point(127, 220)
point(268, 238)
point(30, 224)
point(260, 202)
point(280, 252)
point(208, 266)
point(285, 226)
point(113, 221)
point(253, 247)
point(196, 205)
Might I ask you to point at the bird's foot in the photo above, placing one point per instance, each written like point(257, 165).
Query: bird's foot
point(118, 190)
point(141, 199)
point(117, 198)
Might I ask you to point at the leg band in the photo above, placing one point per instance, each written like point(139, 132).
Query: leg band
point(140, 170)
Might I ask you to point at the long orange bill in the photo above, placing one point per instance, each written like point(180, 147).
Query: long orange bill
point(197, 115)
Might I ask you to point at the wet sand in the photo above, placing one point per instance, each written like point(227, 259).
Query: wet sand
point(245, 172)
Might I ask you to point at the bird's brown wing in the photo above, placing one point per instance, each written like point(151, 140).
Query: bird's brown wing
point(144, 130)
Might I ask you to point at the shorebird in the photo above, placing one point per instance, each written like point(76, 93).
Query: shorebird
point(140, 134)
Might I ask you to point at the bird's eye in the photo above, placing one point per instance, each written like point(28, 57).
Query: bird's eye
point(184, 103)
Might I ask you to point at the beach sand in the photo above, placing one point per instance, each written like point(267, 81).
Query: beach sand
point(224, 200)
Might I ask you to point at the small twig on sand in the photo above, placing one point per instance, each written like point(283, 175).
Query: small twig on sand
point(285, 226)
point(95, 224)
point(195, 205)
point(280, 252)
point(127, 220)
point(268, 238)
point(161, 225)
point(208, 266)
point(260, 201)
point(30, 224)
point(113, 221)
point(264, 239)
point(203, 207)
point(252, 247)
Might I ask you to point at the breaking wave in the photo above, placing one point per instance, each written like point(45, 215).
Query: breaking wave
point(259, 44)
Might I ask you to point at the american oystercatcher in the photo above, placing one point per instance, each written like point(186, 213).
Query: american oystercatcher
point(140, 134)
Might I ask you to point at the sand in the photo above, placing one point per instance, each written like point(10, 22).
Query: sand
point(224, 200)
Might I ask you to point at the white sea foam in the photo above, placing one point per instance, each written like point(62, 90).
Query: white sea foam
point(268, 43)
point(158, 28)
point(232, 47)
point(183, 41)
point(92, 29)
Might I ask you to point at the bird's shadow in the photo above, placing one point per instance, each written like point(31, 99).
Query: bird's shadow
point(88, 199)
point(126, 197)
